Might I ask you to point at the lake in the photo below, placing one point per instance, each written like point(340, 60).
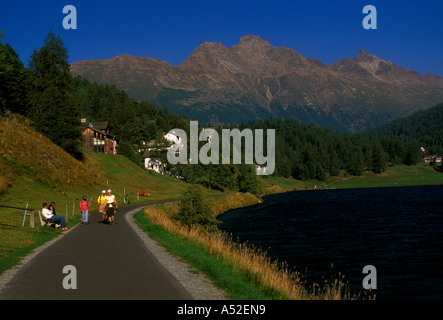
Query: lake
point(397, 230)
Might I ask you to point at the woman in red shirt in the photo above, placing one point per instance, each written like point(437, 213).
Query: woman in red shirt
point(84, 207)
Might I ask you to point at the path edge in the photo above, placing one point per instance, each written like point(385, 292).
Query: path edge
point(198, 286)
point(9, 274)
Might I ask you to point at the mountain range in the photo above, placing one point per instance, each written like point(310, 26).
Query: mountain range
point(255, 80)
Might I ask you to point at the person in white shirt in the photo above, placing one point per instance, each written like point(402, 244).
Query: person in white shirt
point(49, 215)
point(112, 206)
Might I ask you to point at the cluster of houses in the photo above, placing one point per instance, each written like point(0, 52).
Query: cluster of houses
point(148, 148)
point(434, 158)
point(97, 138)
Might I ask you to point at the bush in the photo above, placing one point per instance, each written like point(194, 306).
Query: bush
point(194, 209)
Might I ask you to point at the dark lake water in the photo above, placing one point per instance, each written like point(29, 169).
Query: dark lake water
point(397, 230)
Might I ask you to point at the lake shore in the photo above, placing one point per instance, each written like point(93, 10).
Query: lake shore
point(398, 176)
point(242, 270)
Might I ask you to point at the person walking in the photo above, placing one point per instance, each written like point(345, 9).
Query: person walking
point(49, 215)
point(111, 207)
point(101, 203)
point(84, 207)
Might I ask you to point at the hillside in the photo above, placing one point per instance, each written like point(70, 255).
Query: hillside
point(424, 127)
point(255, 80)
point(33, 170)
point(27, 153)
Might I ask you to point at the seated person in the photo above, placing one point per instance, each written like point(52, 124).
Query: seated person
point(48, 215)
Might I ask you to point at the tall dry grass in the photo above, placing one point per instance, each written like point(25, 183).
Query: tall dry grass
point(21, 147)
point(267, 273)
point(233, 201)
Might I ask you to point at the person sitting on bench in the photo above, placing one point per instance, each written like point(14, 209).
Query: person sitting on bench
point(48, 215)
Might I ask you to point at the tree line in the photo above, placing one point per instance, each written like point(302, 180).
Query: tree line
point(308, 152)
point(424, 128)
point(42, 92)
point(46, 92)
point(55, 101)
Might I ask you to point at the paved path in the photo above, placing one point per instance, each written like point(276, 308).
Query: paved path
point(112, 262)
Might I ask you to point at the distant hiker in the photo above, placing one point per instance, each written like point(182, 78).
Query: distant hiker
point(84, 207)
point(101, 203)
point(49, 215)
point(111, 206)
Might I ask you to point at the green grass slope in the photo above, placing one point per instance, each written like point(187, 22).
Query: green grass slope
point(33, 170)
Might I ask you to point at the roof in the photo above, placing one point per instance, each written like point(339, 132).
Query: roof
point(99, 131)
point(145, 154)
point(101, 125)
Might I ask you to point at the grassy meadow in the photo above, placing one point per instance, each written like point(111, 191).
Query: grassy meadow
point(398, 176)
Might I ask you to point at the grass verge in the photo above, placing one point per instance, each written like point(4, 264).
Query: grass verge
point(17, 242)
point(222, 274)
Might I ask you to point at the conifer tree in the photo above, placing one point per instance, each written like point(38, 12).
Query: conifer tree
point(378, 159)
point(334, 169)
point(356, 165)
point(53, 106)
point(13, 79)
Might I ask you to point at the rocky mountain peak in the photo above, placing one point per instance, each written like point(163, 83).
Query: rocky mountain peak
point(365, 57)
point(211, 45)
point(252, 41)
point(254, 80)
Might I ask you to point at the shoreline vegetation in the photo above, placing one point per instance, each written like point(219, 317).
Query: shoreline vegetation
point(397, 176)
point(247, 272)
point(270, 279)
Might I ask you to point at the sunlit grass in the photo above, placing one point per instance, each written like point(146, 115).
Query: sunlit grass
point(273, 278)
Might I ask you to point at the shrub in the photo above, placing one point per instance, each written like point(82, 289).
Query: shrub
point(194, 209)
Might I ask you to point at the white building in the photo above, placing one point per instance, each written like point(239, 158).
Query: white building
point(156, 164)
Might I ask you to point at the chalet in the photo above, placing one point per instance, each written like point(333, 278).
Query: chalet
point(152, 163)
point(434, 158)
point(97, 137)
point(428, 159)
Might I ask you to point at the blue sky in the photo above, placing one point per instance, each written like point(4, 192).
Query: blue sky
point(409, 33)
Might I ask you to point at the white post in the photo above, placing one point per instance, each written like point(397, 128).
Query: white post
point(24, 217)
point(73, 204)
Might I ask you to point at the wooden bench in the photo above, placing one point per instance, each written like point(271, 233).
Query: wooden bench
point(49, 223)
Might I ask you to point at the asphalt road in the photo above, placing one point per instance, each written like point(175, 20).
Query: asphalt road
point(111, 262)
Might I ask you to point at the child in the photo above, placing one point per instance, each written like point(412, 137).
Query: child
point(84, 207)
